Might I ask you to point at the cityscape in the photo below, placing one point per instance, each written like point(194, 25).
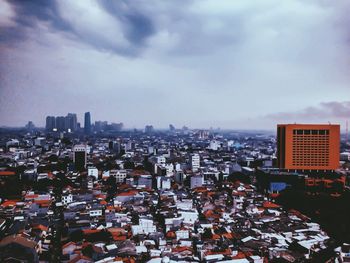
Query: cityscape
point(102, 193)
point(161, 132)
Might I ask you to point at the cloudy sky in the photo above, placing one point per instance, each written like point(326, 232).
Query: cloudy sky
point(201, 63)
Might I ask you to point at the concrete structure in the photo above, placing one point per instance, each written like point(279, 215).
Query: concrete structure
point(79, 157)
point(308, 146)
point(87, 123)
point(93, 171)
point(195, 162)
point(50, 123)
point(197, 181)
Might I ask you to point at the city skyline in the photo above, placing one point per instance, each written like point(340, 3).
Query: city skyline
point(248, 64)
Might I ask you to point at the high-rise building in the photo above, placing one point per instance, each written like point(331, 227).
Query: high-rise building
point(308, 146)
point(71, 122)
point(195, 162)
point(50, 123)
point(116, 126)
point(30, 126)
point(149, 129)
point(87, 123)
point(100, 126)
point(79, 157)
point(114, 146)
point(60, 123)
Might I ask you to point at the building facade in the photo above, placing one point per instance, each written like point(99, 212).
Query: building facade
point(80, 157)
point(50, 123)
point(195, 162)
point(308, 146)
point(87, 123)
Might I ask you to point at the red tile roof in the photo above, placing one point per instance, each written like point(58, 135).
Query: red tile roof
point(270, 205)
point(7, 173)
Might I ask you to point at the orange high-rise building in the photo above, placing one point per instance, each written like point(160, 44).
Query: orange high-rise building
point(308, 146)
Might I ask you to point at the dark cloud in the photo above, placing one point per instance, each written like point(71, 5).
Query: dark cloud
point(27, 15)
point(136, 26)
point(325, 110)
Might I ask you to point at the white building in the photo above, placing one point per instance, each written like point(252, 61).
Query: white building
point(182, 234)
point(197, 181)
point(161, 160)
point(163, 183)
point(169, 169)
point(345, 156)
point(67, 199)
point(119, 175)
point(185, 204)
point(214, 145)
point(40, 141)
point(189, 217)
point(95, 212)
point(93, 172)
point(195, 162)
point(145, 226)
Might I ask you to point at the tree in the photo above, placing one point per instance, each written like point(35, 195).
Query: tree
point(207, 234)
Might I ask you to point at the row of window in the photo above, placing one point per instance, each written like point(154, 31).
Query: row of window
point(311, 160)
point(308, 150)
point(314, 157)
point(311, 132)
point(310, 164)
point(312, 146)
point(310, 142)
point(311, 139)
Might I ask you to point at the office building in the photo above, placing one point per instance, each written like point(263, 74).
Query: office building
point(308, 146)
point(30, 126)
point(114, 146)
point(116, 126)
point(71, 122)
point(101, 126)
point(149, 129)
point(79, 157)
point(50, 123)
point(197, 181)
point(195, 162)
point(87, 123)
point(60, 123)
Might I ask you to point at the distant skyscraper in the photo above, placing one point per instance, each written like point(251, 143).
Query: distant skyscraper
point(60, 123)
point(308, 146)
point(171, 127)
point(116, 126)
point(87, 123)
point(114, 146)
point(30, 126)
point(149, 129)
point(50, 123)
point(79, 157)
point(100, 126)
point(71, 122)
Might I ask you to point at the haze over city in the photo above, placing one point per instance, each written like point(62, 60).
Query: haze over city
point(155, 131)
point(229, 64)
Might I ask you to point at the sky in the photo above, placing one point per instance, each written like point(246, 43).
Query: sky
point(201, 63)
